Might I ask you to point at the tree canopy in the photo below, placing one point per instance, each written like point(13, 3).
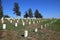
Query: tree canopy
point(26, 15)
point(16, 9)
point(37, 14)
point(30, 13)
point(1, 10)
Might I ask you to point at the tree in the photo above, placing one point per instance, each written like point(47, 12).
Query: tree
point(37, 14)
point(16, 9)
point(1, 10)
point(26, 15)
point(30, 13)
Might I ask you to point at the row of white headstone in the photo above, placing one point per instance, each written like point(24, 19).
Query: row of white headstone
point(16, 24)
point(26, 31)
point(23, 21)
point(4, 26)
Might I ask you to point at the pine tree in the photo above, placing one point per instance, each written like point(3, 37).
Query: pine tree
point(16, 9)
point(1, 10)
point(26, 15)
point(30, 13)
point(37, 14)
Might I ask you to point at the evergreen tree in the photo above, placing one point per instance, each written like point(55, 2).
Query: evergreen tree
point(37, 14)
point(30, 13)
point(26, 15)
point(1, 10)
point(16, 9)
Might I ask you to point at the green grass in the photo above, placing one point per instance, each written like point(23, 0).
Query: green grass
point(55, 26)
point(20, 28)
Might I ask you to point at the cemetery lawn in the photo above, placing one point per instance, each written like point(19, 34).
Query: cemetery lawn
point(51, 32)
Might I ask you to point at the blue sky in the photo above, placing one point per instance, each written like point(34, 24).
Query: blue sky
point(48, 8)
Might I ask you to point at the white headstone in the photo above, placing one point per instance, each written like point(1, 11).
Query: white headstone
point(23, 23)
point(33, 22)
point(36, 29)
point(17, 21)
point(10, 21)
point(15, 24)
point(26, 33)
point(29, 23)
point(2, 19)
point(37, 21)
point(41, 26)
point(4, 26)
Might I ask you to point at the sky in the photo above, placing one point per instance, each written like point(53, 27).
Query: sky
point(48, 8)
